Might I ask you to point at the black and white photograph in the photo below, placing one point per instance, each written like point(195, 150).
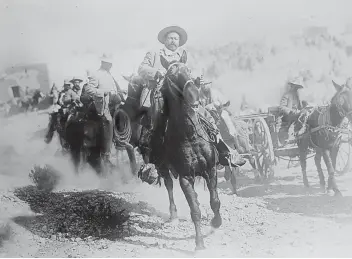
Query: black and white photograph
point(175, 129)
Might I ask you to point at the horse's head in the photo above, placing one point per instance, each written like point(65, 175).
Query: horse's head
point(343, 101)
point(216, 110)
point(179, 81)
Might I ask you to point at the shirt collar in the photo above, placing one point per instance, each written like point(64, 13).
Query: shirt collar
point(168, 52)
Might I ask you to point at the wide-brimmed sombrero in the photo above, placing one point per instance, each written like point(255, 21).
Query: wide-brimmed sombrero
point(74, 79)
point(181, 32)
point(106, 58)
point(297, 81)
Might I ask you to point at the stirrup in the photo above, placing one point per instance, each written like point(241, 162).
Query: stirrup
point(231, 160)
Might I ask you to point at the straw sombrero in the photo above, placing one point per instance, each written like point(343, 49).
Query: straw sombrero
point(297, 81)
point(76, 79)
point(106, 58)
point(181, 32)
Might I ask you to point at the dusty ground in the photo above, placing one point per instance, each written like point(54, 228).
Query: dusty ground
point(267, 220)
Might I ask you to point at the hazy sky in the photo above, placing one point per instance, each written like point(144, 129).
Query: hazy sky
point(47, 28)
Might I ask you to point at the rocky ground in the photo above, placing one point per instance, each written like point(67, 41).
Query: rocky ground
point(276, 219)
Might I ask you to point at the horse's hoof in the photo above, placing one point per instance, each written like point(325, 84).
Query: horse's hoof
point(233, 193)
point(257, 180)
point(338, 194)
point(329, 192)
point(200, 246)
point(216, 222)
point(172, 221)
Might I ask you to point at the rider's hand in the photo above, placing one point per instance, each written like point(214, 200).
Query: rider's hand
point(158, 76)
point(295, 112)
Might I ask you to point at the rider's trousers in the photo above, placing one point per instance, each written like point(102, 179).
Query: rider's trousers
point(107, 132)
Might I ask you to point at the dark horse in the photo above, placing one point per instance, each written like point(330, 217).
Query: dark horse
point(84, 136)
point(321, 132)
point(184, 148)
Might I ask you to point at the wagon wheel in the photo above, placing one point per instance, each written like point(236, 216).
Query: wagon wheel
point(343, 159)
point(264, 149)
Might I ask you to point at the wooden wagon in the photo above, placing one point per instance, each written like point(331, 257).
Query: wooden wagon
point(267, 148)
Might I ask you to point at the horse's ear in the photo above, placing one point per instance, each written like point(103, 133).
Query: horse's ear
point(227, 104)
point(337, 86)
point(184, 57)
point(127, 78)
point(164, 62)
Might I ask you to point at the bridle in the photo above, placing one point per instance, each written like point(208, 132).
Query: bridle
point(338, 104)
point(172, 85)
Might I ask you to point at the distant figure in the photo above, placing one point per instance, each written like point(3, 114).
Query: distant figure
point(100, 88)
point(290, 107)
point(54, 93)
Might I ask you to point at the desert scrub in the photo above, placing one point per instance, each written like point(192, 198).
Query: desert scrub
point(45, 177)
point(77, 214)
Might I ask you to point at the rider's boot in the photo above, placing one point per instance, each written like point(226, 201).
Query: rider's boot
point(228, 156)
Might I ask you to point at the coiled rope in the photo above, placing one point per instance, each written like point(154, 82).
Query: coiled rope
point(122, 131)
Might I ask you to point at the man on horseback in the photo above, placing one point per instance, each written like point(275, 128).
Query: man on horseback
point(173, 38)
point(212, 98)
point(75, 81)
point(54, 93)
point(290, 107)
point(66, 97)
point(100, 88)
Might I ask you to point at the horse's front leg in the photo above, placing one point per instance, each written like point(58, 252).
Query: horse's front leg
point(331, 182)
point(132, 157)
point(76, 159)
point(187, 186)
point(212, 183)
point(317, 160)
point(303, 149)
point(169, 184)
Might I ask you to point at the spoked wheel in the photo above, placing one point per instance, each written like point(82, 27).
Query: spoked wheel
point(264, 149)
point(343, 159)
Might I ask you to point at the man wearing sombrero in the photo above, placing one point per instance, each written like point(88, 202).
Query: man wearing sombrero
point(76, 84)
point(173, 38)
point(66, 97)
point(290, 106)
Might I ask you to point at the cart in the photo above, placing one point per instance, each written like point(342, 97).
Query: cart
point(268, 149)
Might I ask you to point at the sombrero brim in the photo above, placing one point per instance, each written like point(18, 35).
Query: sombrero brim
point(181, 32)
point(297, 85)
point(79, 80)
point(107, 60)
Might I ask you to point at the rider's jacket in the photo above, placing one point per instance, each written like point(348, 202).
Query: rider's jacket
point(290, 104)
point(151, 62)
point(66, 97)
